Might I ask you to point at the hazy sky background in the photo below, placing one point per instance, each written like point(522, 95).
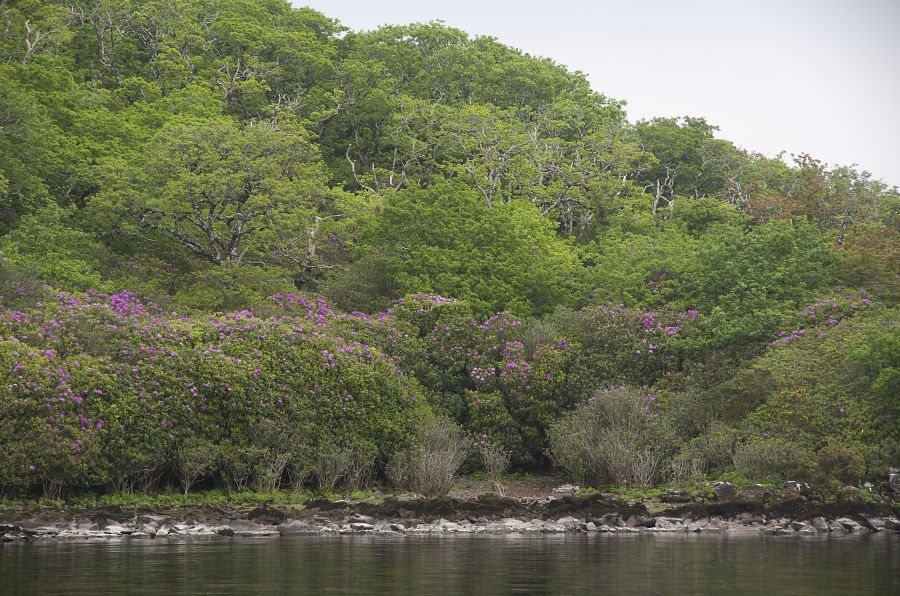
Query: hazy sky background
point(815, 76)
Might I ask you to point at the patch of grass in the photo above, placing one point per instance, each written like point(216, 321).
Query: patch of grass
point(481, 476)
point(866, 496)
point(361, 495)
point(739, 479)
point(175, 499)
point(626, 492)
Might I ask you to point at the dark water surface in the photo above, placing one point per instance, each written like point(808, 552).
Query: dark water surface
point(575, 564)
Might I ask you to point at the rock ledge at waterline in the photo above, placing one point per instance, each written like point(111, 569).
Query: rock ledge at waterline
point(747, 510)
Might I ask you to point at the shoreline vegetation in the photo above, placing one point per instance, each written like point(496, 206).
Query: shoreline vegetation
point(104, 393)
point(244, 251)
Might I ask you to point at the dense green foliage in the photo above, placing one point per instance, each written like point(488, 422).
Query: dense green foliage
point(499, 243)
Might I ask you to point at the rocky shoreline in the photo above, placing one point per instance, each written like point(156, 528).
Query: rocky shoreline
point(748, 510)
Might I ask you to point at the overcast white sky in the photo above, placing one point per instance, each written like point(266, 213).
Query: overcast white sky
point(815, 76)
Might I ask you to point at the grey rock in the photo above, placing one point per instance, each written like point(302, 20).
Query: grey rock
point(590, 527)
point(640, 521)
point(696, 525)
point(267, 515)
point(750, 518)
point(298, 528)
point(609, 519)
point(553, 528)
point(678, 521)
point(787, 500)
point(891, 524)
point(849, 524)
point(793, 485)
point(444, 525)
point(876, 523)
point(243, 525)
point(225, 531)
point(665, 524)
point(86, 523)
point(569, 522)
point(715, 527)
point(397, 527)
point(152, 520)
point(40, 531)
point(357, 518)
point(751, 496)
point(361, 527)
point(819, 524)
point(724, 490)
point(513, 524)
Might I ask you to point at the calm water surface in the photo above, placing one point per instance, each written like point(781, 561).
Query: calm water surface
point(577, 564)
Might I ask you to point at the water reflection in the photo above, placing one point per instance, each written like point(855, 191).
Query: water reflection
point(589, 564)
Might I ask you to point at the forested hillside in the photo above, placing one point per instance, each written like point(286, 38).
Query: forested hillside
point(241, 243)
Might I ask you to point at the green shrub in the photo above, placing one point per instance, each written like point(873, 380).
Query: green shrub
point(494, 461)
point(20, 288)
point(194, 460)
point(106, 390)
point(765, 458)
point(841, 462)
point(430, 466)
point(332, 463)
point(618, 436)
point(712, 450)
point(822, 384)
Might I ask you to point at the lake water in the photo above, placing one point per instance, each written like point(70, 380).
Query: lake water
point(573, 564)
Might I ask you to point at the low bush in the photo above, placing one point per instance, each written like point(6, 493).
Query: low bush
point(194, 460)
point(617, 437)
point(765, 458)
point(332, 464)
point(712, 450)
point(434, 460)
point(841, 462)
point(495, 461)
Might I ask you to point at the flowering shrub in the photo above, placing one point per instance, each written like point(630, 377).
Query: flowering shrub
point(826, 312)
point(620, 345)
point(104, 389)
point(482, 374)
